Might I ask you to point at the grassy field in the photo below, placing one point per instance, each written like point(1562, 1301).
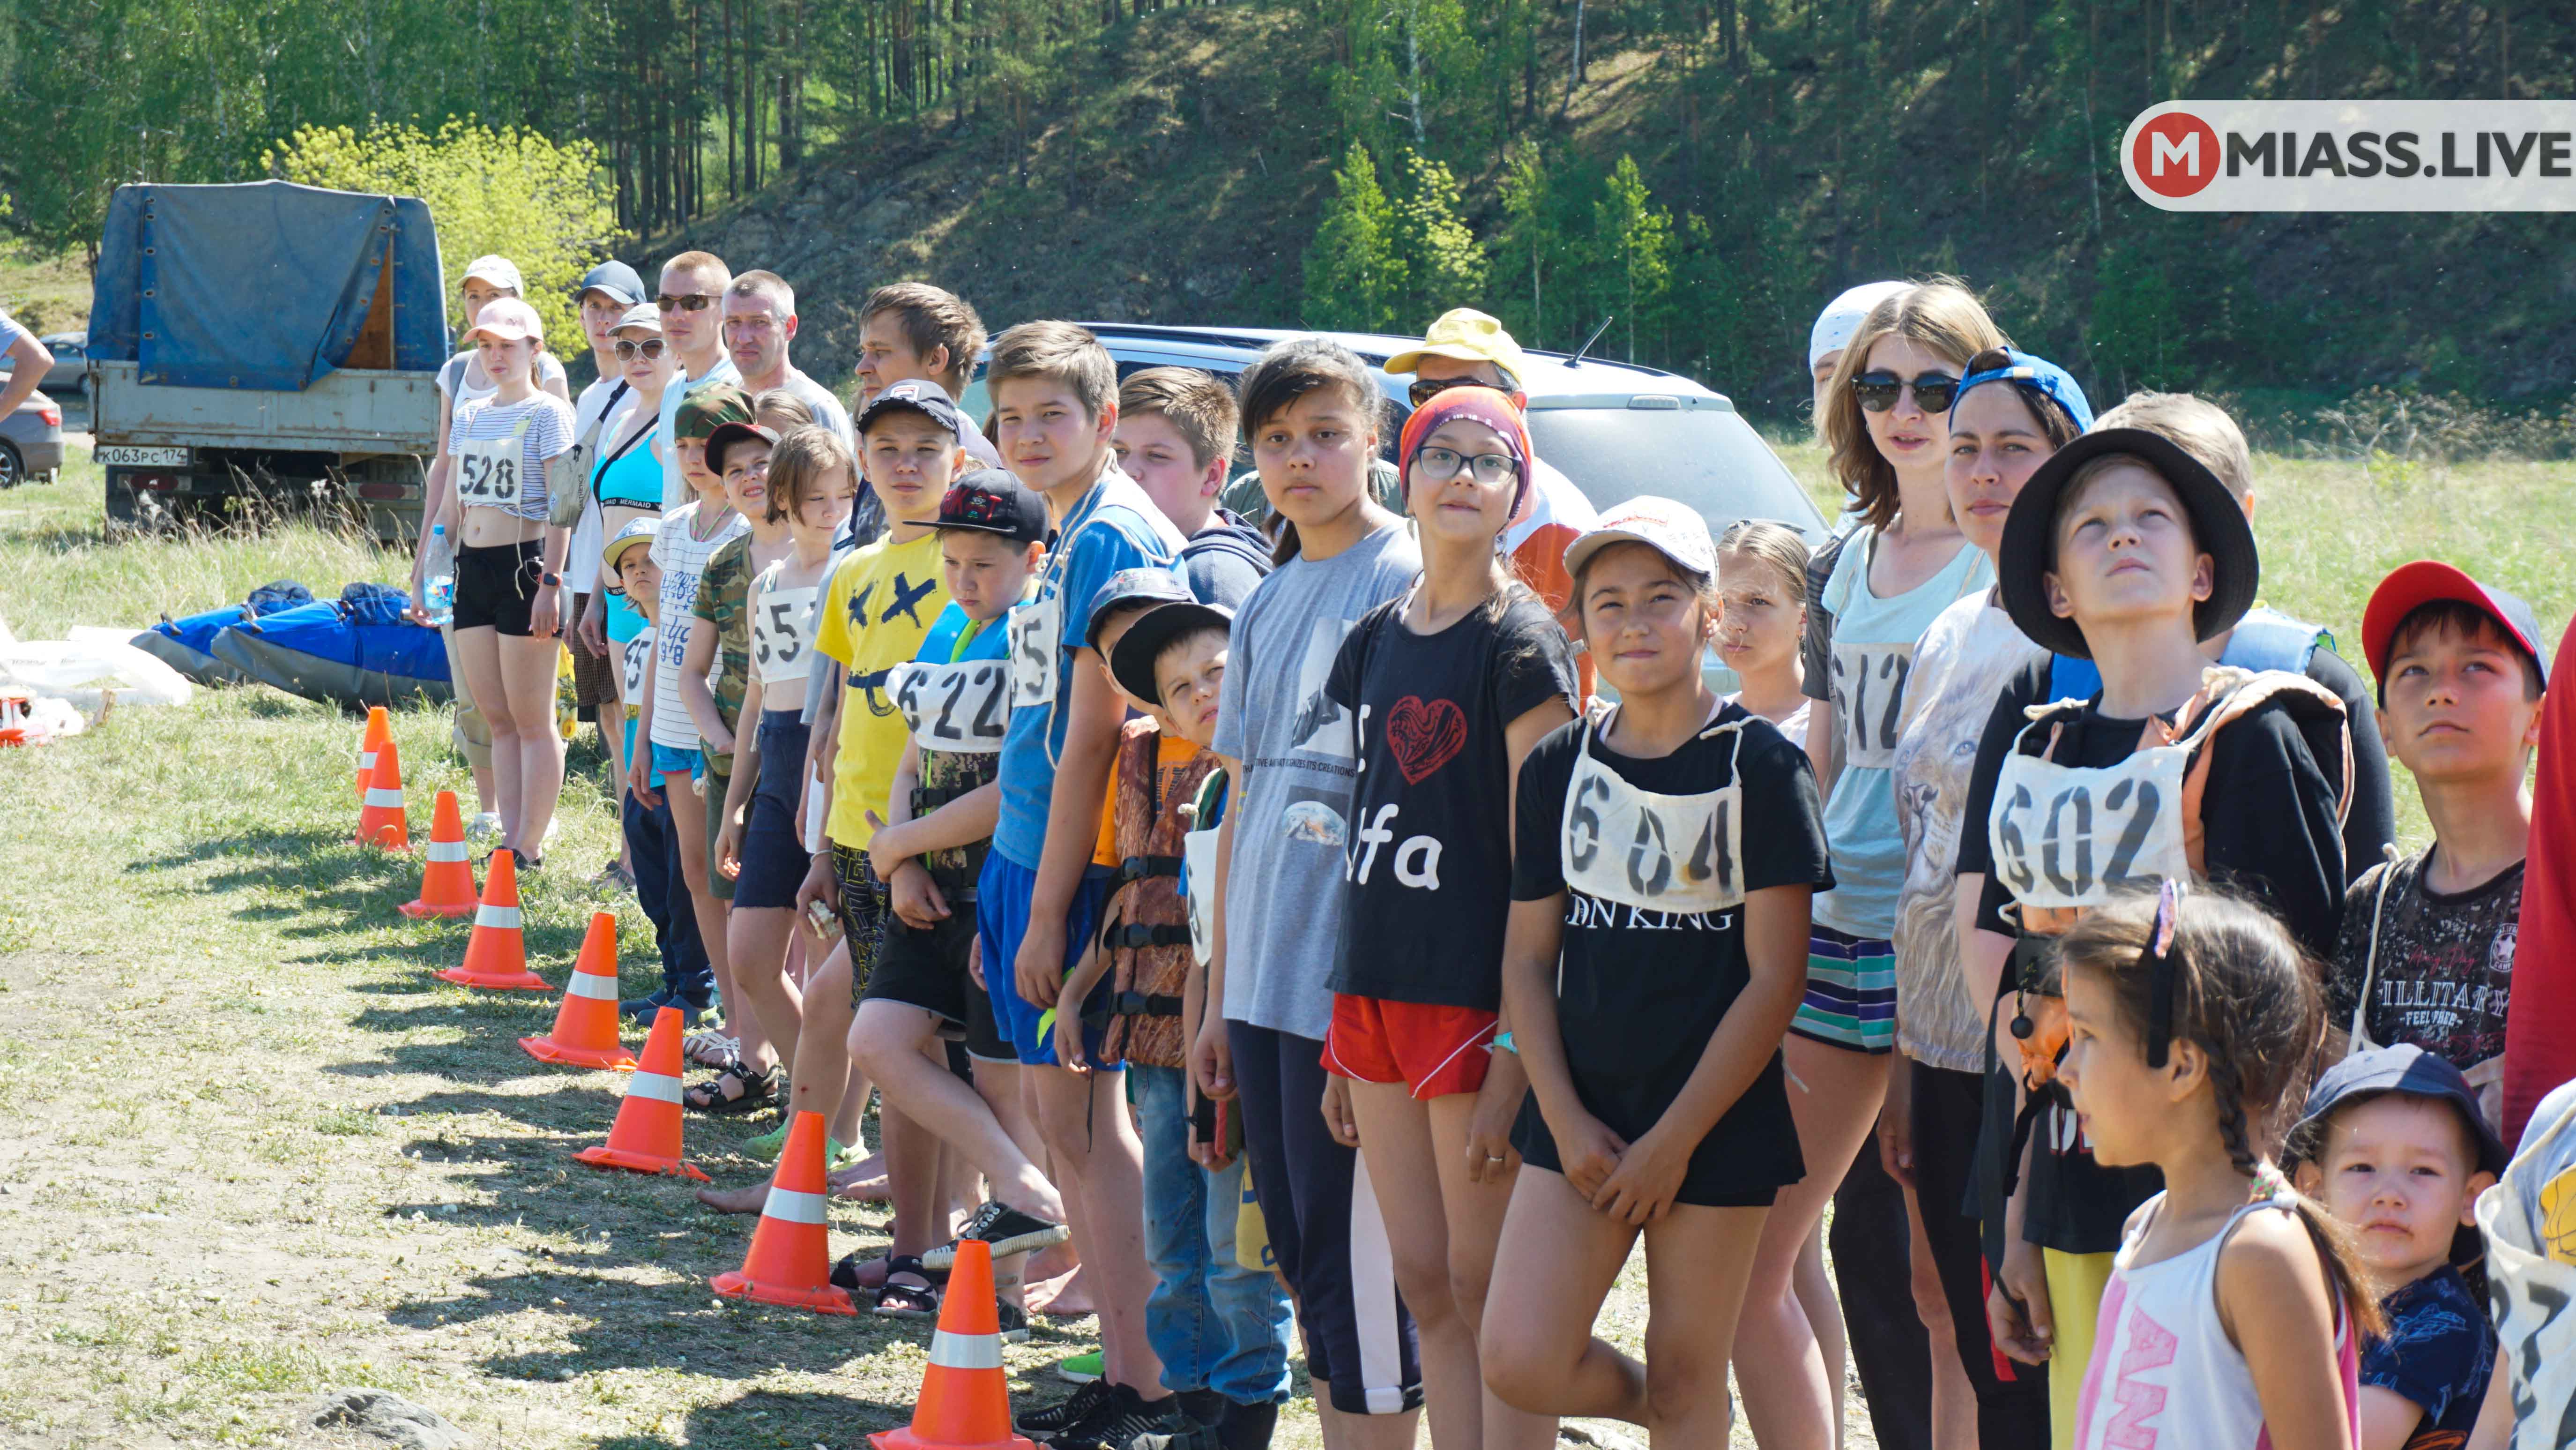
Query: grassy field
point(262, 1152)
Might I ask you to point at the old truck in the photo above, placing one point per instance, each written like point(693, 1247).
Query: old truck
point(266, 346)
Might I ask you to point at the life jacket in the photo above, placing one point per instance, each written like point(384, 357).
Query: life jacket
point(1146, 924)
point(2055, 883)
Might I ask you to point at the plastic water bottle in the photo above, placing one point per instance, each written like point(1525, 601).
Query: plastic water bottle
point(438, 584)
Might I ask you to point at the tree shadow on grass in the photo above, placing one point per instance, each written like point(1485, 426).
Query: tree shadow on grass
point(777, 1420)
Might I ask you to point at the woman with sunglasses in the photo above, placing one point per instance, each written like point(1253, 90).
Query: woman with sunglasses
point(627, 480)
point(1449, 686)
point(1903, 562)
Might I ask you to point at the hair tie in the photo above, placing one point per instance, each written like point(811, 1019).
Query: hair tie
point(2160, 972)
point(2270, 1182)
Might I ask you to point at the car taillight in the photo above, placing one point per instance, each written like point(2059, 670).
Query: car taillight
point(52, 415)
point(381, 489)
point(158, 482)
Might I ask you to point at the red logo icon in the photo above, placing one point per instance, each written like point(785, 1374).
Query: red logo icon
point(2175, 155)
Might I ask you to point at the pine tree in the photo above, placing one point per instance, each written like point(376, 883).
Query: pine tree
point(1636, 241)
point(1528, 238)
point(1354, 278)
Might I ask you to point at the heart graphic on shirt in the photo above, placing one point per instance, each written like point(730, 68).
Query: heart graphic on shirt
point(1425, 735)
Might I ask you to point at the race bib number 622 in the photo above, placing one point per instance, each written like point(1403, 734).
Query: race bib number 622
point(961, 708)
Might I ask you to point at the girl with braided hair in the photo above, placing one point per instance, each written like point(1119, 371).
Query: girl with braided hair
point(2235, 1305)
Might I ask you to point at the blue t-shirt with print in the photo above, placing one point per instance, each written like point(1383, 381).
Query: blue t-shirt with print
point(1114, 527)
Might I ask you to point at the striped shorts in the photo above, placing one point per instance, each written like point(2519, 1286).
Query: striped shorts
point(1851, 992)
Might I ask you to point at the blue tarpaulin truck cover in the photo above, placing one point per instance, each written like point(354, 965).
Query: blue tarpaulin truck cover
point(264, 285)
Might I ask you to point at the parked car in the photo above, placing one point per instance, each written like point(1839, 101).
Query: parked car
point(1616, 429)
point(70, 370)
point(31, 442)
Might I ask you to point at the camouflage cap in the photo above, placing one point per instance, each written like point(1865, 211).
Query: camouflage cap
point(707, 407)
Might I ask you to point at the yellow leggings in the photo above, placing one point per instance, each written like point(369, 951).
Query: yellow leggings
point(2075, 1286)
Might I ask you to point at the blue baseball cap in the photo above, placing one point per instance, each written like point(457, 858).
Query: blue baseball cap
point(1146, 587)
point(2404, 1067)
point(615, 279)
point(2036, 373)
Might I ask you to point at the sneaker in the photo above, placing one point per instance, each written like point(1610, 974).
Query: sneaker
point(1008, 1230)
point(485, 826)
point(766, 1147)
point(1063, 1415)
point(1014, 1321)
point(645, 1007)
point(1127, 1418)
point(1082, 1369)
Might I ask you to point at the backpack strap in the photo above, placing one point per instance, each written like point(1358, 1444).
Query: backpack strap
point(2232, 694)
point(2359, 1036)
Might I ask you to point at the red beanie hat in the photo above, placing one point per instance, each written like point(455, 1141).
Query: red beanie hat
point(1480, 405)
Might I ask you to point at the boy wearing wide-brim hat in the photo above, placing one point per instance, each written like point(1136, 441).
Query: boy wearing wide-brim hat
point(2125, 549)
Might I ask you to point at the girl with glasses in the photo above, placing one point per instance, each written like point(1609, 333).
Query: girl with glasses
point(1449, 686)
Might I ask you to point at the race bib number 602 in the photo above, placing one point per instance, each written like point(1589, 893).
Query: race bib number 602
point(2064, 836)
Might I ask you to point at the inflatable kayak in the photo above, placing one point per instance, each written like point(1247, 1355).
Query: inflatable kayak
point(185, 644)
point(352, 652)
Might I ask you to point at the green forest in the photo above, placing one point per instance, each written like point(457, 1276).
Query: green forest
point(1700, 172)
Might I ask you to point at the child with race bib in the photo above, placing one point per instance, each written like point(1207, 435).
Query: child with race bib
point(1903, 562)
point(634, 581)
point(811, 486)
point(2011, 412)
point(2126, 549)
point(1449, 686)
point(1657, 947)
point(922, 996)
point(507, 582)
point(2234, 1311)
point(1312, 412)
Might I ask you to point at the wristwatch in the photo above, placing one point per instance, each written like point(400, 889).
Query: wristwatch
point(551, 581)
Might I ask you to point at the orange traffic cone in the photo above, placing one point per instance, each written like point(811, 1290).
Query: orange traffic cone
point(790, 1263)
point(380, 728)
point(585, 1032)
point(494, 955)
point(965, 1403)
point(446, 880)
point(381, 821)
point(646, 1135)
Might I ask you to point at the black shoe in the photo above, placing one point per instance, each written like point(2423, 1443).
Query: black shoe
point(1014, 1321)
point(1127, 1418)
point(643, 1008)
point(1204, 1407)
point(1063, 1415)
point(1007, 1230)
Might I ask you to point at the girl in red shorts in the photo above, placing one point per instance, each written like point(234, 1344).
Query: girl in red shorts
point(1448, 686)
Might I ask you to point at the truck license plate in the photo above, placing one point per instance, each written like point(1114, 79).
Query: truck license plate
point(143, 457)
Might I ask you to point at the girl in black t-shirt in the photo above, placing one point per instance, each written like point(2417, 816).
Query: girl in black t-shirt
point(1448, 687)
point(1667, 852)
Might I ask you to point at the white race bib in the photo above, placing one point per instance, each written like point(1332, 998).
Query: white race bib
point(2065, 835)
point(1681, 853)
point(962, 708)
point(780, 642)
point(1036, 630)
point(487, 469)
point(634, 654)
point(1198, 858)
point(1869, 701)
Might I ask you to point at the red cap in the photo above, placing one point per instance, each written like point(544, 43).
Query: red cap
point(2411, 586)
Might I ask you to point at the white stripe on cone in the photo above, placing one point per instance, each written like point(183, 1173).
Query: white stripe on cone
point(794, 1205)
point(380, 797)
point(654, 1085)
point(502, 917)
point(367, 762)
point(598, 986)
point(965, 1351)
point(444, 851)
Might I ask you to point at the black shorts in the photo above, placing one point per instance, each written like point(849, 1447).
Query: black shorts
point(864, 914)
point(927, 969)
point(1744, 1161)
point(495, 586)
point(774, 862)
point(594, 677)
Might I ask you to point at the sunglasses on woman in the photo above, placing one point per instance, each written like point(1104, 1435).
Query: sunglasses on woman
point(1438, 465)
point(1423, 390)
point(1878, 391)
point(628, 350)
point(693, 302)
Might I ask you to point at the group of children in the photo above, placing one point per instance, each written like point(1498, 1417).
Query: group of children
point(1351, 924)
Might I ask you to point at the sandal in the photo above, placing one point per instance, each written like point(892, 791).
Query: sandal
point(711, 1048)
point(613, 877)
point(749, 1091)
point(907, 1301)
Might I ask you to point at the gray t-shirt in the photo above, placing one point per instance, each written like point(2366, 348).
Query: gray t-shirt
point(1284, 892)
point(827, 408)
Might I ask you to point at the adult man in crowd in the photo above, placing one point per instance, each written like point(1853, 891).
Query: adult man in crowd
point(759, 328)
point(693, 284)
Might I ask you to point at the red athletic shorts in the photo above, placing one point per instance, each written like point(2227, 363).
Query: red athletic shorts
point(1434, 1051)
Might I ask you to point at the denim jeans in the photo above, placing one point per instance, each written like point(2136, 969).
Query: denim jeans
point(654, 843)
point(1216, 1324)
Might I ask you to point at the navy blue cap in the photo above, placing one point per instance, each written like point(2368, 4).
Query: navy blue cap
point(2048, 379)
point(914, 395)
point(1131, 664)
point(2405, 1068)
point(614, 278)
point(992, 501)
point(1130, 589)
